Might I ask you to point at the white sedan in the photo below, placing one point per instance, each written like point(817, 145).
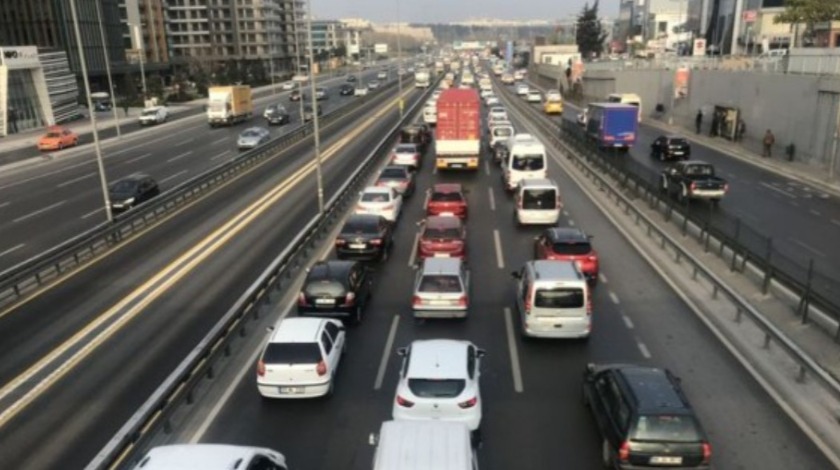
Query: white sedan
point(439, 380)
point(534, 96)
point(288, 85)
point(378, 200)
point(522, 89)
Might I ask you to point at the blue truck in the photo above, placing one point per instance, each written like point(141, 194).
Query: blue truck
point(613, 125)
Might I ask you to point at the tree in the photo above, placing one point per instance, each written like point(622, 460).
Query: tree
point(590, 35)
point(809, 12)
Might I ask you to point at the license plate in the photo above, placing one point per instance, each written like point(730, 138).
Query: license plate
point(456, 165)
point(666, 460)
point(558, 325)
point(678, 153)
point(357, 246)
point(442, 255)
point(324, 301)
point(438, 302)
point(291, 390)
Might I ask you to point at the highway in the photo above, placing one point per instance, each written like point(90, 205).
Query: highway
point(80, 357)
point(533, 416)
point(65, 195)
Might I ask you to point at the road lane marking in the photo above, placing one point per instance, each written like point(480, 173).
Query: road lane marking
point(171, 177)
point(185, 142)
point(4, 204)
point(815, 212)
point(178, 157)
point(412, 257)
point(386, 353)
point(487, 167)
point(216, 157)
point(92, 213)
point(614, 298)
point(602, 277)
point(142, 144)
point(492, 199)
point(627, 322)
point(571, 222)
point(500, 261)
point(219, 141)
point(104, 326)
point(21, 181)
point(643, 349)
point(137, 159)
point(426, 201)
point(807, 247)
point(76, 180)
point(12, 249)
point(516, 369)
point(794, 204)
point(39, 211)
point(778, 190)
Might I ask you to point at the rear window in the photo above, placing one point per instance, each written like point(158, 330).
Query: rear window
point(700, 170)
point(559, 297)
point(442, 232)
point(678, 142)
point(670, 428)
point(572, 248)
point(292, 353)
point(447, 197)
point(324, 289)
point(375, 197)
point(528, 162)
point(366, 225)
point(502, 132)
point(539, 199)
point(393, 173)
point(431, 388)
point(406, 148)
point(440, 283)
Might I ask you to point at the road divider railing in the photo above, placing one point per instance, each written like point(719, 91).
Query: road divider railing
point(179, 389)
point(617, 185)
point(34, 273)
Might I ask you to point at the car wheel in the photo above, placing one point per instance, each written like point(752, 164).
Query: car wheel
point(606, 455)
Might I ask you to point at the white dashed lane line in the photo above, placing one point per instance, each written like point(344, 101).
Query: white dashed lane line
point(185, 142)
point(643, 349)
point(216, 157)
point(499, 256)
point(412, 257)
point(178, 157)
point(815, 212)
point(137, 159)
point(627, 321)
point(173, 176)
point(386, 353)
point(516, 369)
point(92, 213)
point(614, 298)
point(39, 211)
point(492, 199)
point(219, 141)
point(76, 180)
point(833, 221)
point(12, 249)
point(807, 247)
point(602, 277)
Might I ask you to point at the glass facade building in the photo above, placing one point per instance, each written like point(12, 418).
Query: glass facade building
point(24, 98)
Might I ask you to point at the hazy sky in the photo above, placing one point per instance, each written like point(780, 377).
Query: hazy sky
point(442, 11)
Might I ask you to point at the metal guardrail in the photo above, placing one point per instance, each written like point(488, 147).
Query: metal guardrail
point(155, 414)
point(592, 164)
point(32, 274)
point(816, 64)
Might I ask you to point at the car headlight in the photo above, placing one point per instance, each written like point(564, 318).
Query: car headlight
point(127, 202)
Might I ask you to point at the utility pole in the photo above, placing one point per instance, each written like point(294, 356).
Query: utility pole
point(108, 67)
point(315, 109)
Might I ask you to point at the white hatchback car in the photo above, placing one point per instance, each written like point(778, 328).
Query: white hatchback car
point(288, 85)
point(211, 457)
point(492, 100)
point(380, 200)
point(439, 380)
point(301, 358)
point(497, 112)
point(522, 89)
point(534, 96)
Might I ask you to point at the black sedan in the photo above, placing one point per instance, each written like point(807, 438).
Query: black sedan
point(276, 114)
point(131, 191)
point(351, 79)
point(346, 90)
point(670, 147)
point(365, 237)
point(335, 289)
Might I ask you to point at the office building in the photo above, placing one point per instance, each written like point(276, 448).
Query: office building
point(61, 85)
point(24, 98)
point(144, 28)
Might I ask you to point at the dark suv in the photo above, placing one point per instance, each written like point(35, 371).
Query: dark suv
point(416, 135)
point(670, 147)
point(365, 237)
point(335, 289)
point(644, 418)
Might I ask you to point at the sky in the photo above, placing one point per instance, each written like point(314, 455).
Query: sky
point(444, 11)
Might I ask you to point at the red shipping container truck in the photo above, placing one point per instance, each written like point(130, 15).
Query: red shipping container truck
point(458, 131)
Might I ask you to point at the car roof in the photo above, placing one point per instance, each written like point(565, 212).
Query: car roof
point(297, 330)
point(447, 188)
point(553, 269)
point(652, 388)
point(443, 221)
point(441, 266)
point(134, 177)
point(673, 136)
point(377, 189)
point(204, 456)
point(538, 183)
point(566, 234)
point(331, 269)
point(438, 358)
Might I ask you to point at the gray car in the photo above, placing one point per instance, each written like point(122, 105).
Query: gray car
point(253, 137)
point(441, 289)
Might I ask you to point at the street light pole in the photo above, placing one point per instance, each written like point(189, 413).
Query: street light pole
point(315, 109)
point(399, 62)
point(297, 55)
point(102, 177)
point(108, 67)
point(139, 37)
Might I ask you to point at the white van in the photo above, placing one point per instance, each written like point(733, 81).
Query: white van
point(527, 160)
point(627, 98)
point(500, 133)
point(553, 300)
point(424, 445)
point(538, 201)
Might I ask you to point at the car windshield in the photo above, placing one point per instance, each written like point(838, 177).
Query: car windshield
point(324, 288)
point(150, 112)
point(125, 186)
point(53, 135)
point(292, 353)
point(539, 198)
point(502, 132)
point(440, 283)
point(528, 162)
point(442, 232)
point(375, 197)
point(699, 170)
point(679, 142)
point(406, 148)
point(559, 297)
point(437, 388)
point(572, 248)
point(669, 428)
point(393, 173)
point(446, 197)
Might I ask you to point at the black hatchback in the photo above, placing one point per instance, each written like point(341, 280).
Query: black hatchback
point(131, 191)
point(346, 89)
point(364, 237)
point(335, 289)
point(645, 418)
point(416, 135)
point(670, 147)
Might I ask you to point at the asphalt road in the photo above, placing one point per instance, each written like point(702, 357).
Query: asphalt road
point(538, 426)
point(204, 266)
point(65, 195)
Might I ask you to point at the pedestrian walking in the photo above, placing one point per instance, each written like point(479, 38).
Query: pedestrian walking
point(715, 122)
point(740, 130)
point(698, 121)
point(13, 118)
point(769, 140)
point(125, 108)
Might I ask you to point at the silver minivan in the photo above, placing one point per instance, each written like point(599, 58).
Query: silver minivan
point(553, 300)
point(538, 202)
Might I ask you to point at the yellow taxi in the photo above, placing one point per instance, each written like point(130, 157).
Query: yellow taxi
point(553, 106)
point(57, 138)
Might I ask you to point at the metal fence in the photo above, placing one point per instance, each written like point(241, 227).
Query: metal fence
point(816, 64)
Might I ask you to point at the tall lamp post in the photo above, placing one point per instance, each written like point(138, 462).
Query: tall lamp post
point(102, 178)
point(108, 67)
point(297, 55)
point(139, 38)
point(315, 109)
point(399, 62)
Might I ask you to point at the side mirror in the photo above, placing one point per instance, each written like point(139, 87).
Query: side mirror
point(373, 439)
point(269, 328)
point(481, 353)
point(516, 274)
point(402, 352)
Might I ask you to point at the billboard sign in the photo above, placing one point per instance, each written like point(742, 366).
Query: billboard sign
point(19, 57)
point(699, 47)
point(380, 48)
point(681, 77)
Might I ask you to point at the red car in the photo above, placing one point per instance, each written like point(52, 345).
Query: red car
point(443, 236)
point(568, 244)
point(447, 199)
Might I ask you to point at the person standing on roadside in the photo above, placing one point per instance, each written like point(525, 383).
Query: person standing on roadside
point(698, 121)
point(769, 140)
point(740, 130)
point(13, 118)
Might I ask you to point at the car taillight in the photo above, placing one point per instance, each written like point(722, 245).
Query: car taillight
point(726, 187)
point(707, 452)
point(301, 299)
point(404, 403)
point(416, 300)
point(340, 242)
point(469, 403)
point(376, 241)
point(693, 186)
point(321, 369)
point(349, 299)
point(388, 207)
point(261, 368)
point(592, 258)
point(463, 301)
point(624, 451)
